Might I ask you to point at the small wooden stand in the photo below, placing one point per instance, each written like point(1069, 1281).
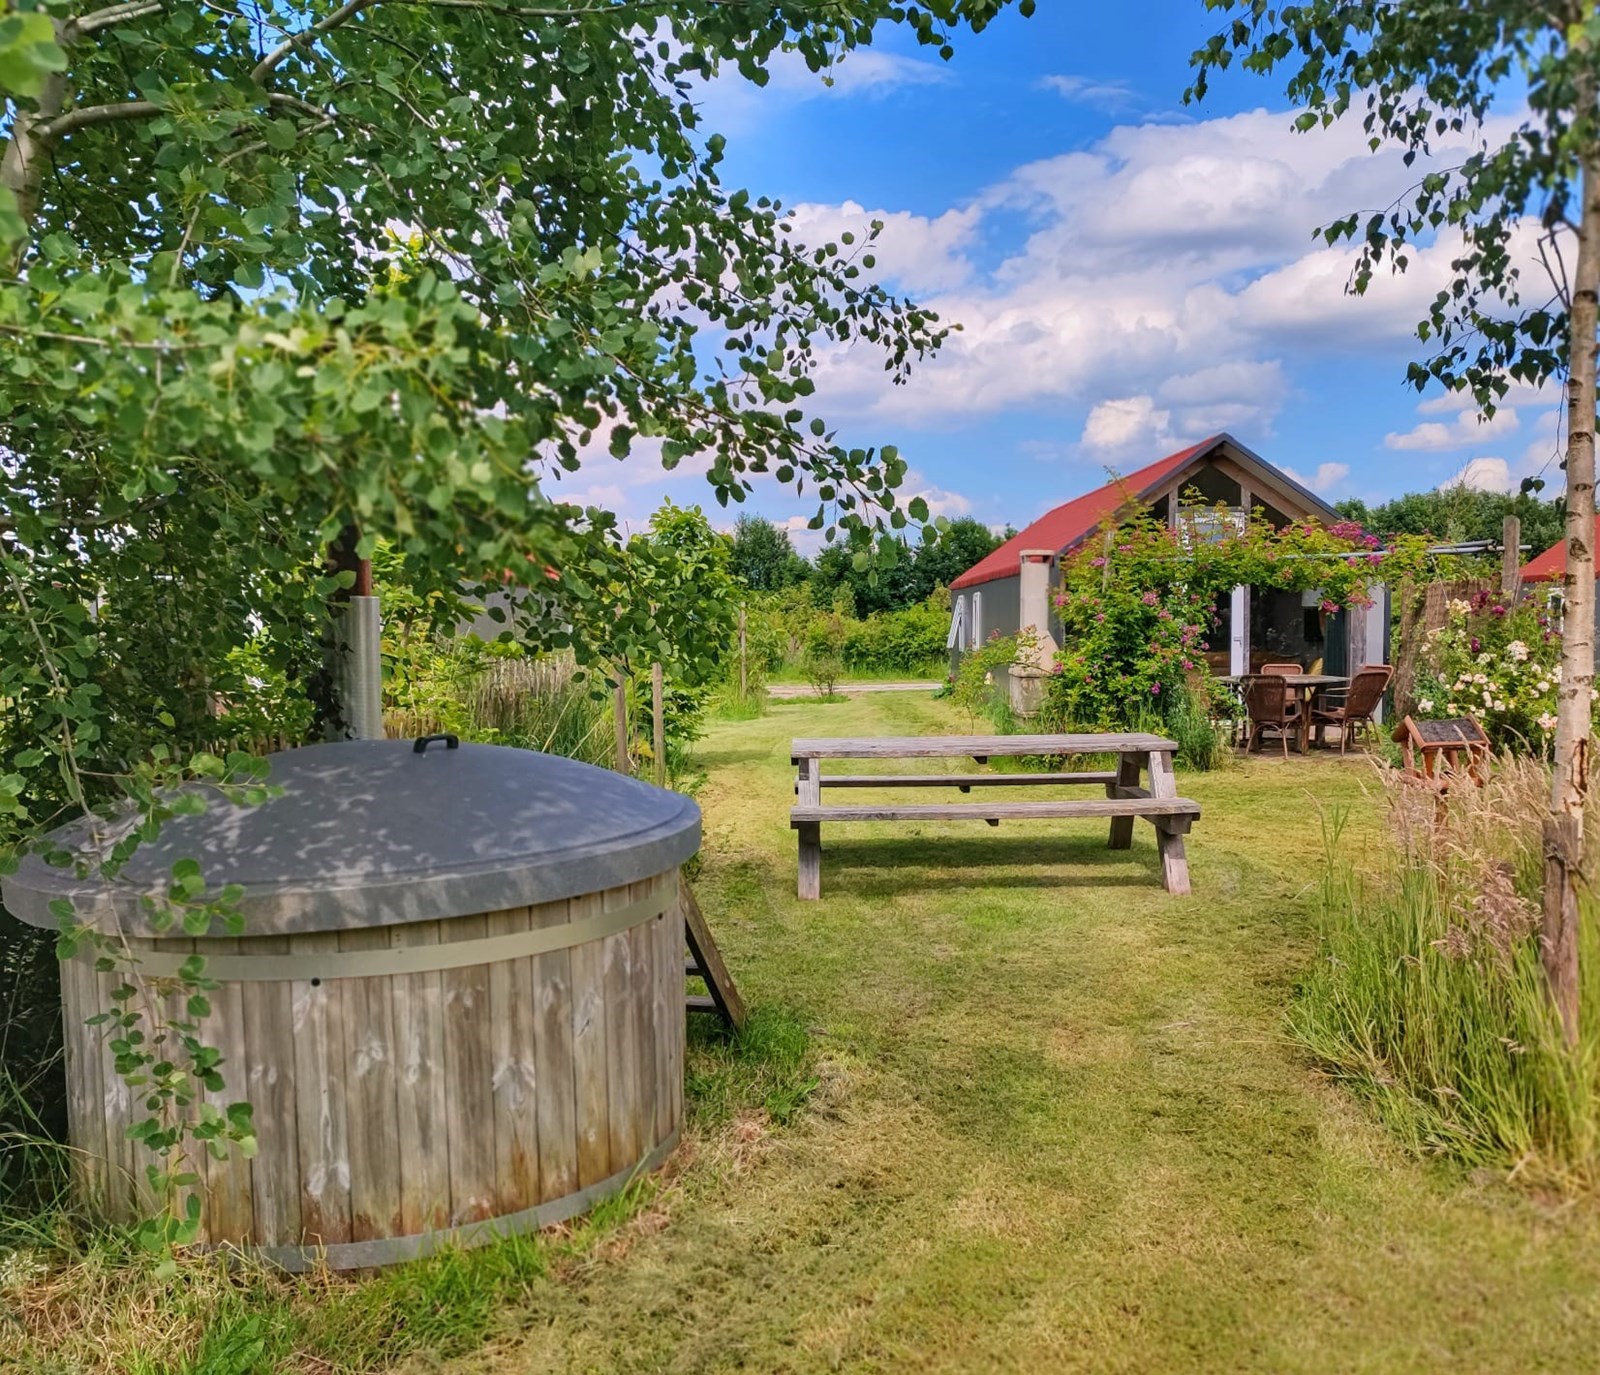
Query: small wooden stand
point(707, 964)
point(1449, 749)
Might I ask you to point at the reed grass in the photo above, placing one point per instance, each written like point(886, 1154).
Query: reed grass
point(1428, 997)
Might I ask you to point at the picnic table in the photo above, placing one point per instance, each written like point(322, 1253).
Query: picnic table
point(1125, 800)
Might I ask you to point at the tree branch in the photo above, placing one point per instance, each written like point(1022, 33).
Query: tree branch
point(306, 37)
point(86, 115)
point(111, 14)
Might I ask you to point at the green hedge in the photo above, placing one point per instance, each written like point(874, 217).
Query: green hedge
point(908, 641)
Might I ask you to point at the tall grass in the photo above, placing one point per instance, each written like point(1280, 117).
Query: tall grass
point(1428, 998)
point(547, 704)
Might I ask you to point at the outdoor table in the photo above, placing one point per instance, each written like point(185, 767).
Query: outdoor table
point(1125, 799)
point(1310, 684)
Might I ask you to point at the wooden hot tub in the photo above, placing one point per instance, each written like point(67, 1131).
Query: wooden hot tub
point(457, 1007)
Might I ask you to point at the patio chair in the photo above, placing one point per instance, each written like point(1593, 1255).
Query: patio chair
point(1272, 705)
point(1286, 671)
point(1352, 707)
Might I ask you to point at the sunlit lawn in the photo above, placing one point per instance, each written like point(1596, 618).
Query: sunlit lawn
point(1057, 1124)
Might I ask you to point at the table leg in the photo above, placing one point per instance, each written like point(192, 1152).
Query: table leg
point(1174, 859)
point(808, 792)
point(1128, 766)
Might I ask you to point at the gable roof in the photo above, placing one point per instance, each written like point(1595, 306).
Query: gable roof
point(1070, 522)
point(1551, 566)
point(1059, 529)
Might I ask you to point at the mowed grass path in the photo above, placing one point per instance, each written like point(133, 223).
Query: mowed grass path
point(1058, 1124)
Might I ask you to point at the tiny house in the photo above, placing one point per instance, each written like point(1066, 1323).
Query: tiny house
point(1013, 587)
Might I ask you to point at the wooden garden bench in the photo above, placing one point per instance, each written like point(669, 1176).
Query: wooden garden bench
point(1125, 798)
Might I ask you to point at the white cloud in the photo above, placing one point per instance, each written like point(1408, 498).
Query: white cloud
point(1484, 475)
point(1129, 423)
point(1467, 429)
point(916, 252)
point(1327, 477)
point(1173, 262)
point(1084, 90)
point(940, 501)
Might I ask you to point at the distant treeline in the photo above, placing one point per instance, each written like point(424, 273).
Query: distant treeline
point(765, 561)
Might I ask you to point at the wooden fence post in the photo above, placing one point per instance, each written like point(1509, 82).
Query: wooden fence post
point(743, 676)
point(658, 726)
point(1510, 556)
point(620, 715)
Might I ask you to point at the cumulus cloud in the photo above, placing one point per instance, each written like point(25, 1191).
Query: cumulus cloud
point(916, 252)
point(1466, 429)
point(1483, 475)
point(1323, 482)
point(1173, 262)
point(1127, 423)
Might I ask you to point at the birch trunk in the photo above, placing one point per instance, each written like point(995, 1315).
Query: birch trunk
point(1563, 828)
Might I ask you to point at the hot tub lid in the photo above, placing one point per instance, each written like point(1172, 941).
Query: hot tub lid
point(374, 833)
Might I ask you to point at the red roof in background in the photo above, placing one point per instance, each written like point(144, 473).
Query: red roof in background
point(1058, 529)
point(1551, 566)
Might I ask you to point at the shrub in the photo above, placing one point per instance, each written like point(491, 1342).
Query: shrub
point(1428, 997)
point(909, 641)
point(1498, 664)
point(980, 687)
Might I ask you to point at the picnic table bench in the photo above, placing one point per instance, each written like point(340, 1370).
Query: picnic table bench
point(1125, 800)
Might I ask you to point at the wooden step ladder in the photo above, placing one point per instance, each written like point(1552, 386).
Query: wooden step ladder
point(705, 962)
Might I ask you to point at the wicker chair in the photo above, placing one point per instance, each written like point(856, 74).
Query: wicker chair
point(1352, 707)
point(1272, 705)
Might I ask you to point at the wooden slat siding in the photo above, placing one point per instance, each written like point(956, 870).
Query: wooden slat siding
point(371, 1096)
point(513, 1018)
point(556, 1092)
point(667, 930)
point(641, 1001)
point(965, 780)
point(193, 1154)
point(622, 1038)
point(998, 811)
point(589, 1050)
point(320, 1115)
point(86, 1101)
point(468, 1080)
point(1174, 861)
point(1129, 768)
point(269, 1033)
point(420, 1107)
point(229, 1208)
point(115, 1104)
point(931, 746)
point(138, 1198)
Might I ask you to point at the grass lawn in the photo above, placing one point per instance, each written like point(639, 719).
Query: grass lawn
point(1056, 1125)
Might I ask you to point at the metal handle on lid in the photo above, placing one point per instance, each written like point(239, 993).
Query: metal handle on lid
point(451, 742)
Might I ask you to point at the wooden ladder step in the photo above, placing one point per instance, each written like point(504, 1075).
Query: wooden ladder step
point(705, 962)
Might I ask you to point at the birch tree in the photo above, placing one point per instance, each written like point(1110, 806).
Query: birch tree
point(1415, 72)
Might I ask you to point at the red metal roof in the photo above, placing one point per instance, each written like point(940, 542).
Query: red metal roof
point(1067, 524)
point(1551, 566)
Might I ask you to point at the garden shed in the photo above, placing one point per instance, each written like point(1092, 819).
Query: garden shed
point(1013, 586)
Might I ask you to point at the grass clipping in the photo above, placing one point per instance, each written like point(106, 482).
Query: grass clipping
point(1428, 995)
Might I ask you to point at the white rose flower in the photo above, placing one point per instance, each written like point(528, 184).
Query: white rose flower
point(1517, 651)
point(1547, 721)
point(1426, 704)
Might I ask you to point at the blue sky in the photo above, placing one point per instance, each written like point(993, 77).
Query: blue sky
point(1131, 274)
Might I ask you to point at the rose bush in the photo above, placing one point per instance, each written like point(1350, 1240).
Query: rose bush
point(1498, 664)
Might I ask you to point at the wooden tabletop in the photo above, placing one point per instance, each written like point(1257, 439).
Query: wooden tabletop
point(956, 746)
point(1293, 679)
